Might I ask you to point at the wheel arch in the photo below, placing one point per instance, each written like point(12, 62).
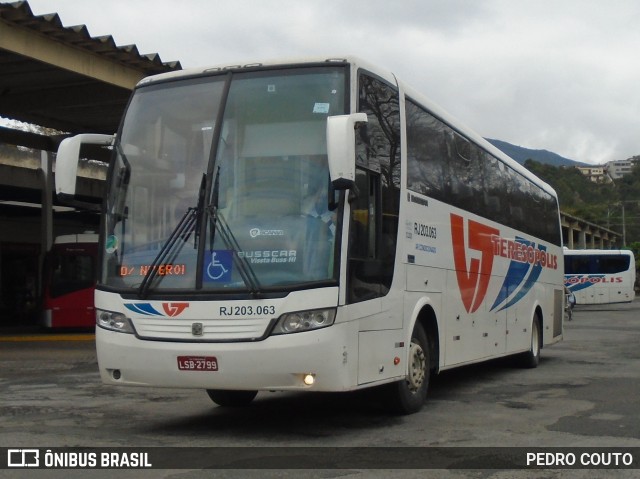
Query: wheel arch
point(426, 316)
point(538, 312)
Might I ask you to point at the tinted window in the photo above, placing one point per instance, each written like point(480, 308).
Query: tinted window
point(446, 166)
point(71, 273)
point(596, 264)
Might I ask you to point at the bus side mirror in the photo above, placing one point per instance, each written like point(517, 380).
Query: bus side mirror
point(341, 149)
point(67, 161)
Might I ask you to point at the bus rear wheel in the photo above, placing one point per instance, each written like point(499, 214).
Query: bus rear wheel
point(231, 398)
point(408, 395)
point(531, 358)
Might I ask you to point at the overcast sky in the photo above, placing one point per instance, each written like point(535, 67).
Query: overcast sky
point(560, 75)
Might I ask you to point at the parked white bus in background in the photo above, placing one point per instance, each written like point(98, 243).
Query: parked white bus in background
point(313, 225)
point(598, 276)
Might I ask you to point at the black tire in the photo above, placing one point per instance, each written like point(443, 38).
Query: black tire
point(531, 358)
point(408, 395)
point(231, 398)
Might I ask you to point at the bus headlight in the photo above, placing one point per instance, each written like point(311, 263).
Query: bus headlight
point(305, 321)
point(114, 321)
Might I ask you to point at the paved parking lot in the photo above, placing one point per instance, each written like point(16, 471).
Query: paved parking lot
point(584, 394)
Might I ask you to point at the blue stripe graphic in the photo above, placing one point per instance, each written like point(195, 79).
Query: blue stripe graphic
point(583, 285)
point(515, 276)
point(143, 308)
point(531, 280)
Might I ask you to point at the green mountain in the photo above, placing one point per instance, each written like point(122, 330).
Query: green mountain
point(521, 155)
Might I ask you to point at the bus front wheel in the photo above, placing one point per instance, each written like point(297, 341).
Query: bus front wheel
point(231, 398)
point(408, 395)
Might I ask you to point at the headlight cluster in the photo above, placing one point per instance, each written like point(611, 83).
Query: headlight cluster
point(114, 321)
point(305, 321)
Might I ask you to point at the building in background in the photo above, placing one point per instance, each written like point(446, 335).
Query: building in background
point(596, 173)
point(617, 169)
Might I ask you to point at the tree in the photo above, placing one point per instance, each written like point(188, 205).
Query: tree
point(598, 203)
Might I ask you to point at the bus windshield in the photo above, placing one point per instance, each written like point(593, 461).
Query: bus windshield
point(71, 271)
point(222, 182)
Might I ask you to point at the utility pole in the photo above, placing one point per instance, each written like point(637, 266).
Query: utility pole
point(624, 225)
point(624, 231)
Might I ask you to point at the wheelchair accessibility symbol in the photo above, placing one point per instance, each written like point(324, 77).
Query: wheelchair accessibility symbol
point(218, 266)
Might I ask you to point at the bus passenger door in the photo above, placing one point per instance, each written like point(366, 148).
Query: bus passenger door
point(373, 231)
point(365, 267)
point(374, 205)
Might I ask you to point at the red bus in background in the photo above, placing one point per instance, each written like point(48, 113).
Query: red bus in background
point(69, 282)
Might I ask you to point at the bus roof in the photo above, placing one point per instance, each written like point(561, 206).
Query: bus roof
point(587, 252)
point(247, 65)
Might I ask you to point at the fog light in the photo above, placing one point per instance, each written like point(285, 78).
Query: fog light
point(116, 374)
point(309, 379)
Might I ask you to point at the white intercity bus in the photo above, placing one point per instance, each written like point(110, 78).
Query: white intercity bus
point(313, 225)
point(598, 276)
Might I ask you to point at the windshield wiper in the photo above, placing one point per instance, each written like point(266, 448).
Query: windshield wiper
point(187, 225)
point(218, 223)
point(212, 208)
point(244, 268)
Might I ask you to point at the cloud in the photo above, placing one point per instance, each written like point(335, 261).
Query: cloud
point(559, 75)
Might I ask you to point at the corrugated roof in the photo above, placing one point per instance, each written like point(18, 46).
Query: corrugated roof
point(43, 82)
point(20, 14)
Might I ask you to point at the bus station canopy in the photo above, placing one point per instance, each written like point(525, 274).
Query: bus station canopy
point(62, 78)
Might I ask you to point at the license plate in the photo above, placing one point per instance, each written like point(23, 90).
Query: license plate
point(197, 363)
